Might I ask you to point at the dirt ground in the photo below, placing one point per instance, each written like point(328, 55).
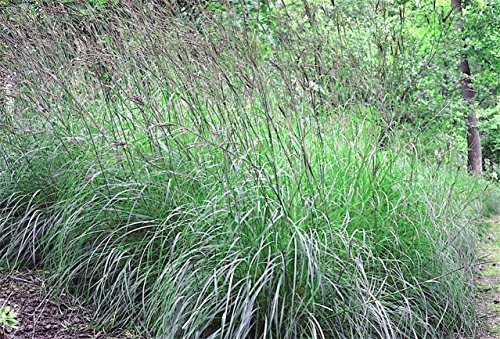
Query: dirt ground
point(40, 317)
point(488, 283)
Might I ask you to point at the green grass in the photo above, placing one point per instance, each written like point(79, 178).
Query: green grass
point(187, 207)
point(488, 287)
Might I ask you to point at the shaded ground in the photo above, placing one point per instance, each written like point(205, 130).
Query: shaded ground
point(488, 282)
point(39, 316)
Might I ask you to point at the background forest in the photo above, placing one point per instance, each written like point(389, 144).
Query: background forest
point(252, 169)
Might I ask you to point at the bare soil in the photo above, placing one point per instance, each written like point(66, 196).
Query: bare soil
point(40, 316)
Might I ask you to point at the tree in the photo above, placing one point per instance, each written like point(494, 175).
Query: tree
point(474, 151)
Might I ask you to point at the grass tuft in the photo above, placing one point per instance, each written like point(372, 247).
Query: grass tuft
point(187, 183)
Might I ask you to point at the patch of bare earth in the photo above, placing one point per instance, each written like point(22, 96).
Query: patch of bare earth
point(40, 316)
point(488, 283)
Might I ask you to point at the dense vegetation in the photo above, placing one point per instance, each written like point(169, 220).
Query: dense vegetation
point(294, 169)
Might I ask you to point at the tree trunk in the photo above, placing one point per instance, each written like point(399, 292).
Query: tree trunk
point(474, 151)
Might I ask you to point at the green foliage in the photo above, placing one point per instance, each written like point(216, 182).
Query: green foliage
point(482, 20)
point(98, 3)
point(490, 132)
point(8, 318)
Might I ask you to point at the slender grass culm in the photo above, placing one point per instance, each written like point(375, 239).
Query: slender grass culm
point(191, 183)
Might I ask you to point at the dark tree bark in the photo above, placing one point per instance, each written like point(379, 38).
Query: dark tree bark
point(474, 151)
